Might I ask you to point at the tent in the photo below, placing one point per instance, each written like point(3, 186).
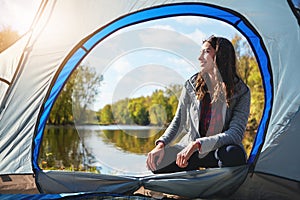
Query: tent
point(36, 67)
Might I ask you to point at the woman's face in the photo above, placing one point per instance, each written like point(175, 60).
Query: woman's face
point(206, 58)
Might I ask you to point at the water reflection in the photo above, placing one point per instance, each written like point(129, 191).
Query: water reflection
point(98, 149)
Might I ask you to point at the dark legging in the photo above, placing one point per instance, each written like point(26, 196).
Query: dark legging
point(226, 156)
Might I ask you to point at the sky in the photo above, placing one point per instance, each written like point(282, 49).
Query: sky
point(139, 59)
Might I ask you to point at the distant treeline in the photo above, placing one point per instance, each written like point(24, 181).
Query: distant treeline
point(156, 109)
point(160, 107)
point(82, 88)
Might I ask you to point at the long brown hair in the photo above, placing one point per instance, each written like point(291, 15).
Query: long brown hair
point(225, 60)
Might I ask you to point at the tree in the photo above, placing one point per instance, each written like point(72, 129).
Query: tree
point(173, 93)
point(157, 114)
point(61, 112)
point(106, 115)
point(249, 72)
point(121, 112)
point(158, 109)
point(86, 88)
point(78, 93)
point(7, 38)
point(138, 111)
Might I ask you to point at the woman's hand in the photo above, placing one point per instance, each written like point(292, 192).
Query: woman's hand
point(155, 156)
point(184, 155)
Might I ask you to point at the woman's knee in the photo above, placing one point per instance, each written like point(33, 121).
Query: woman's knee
point(230, 155)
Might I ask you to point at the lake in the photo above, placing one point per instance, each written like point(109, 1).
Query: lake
point(112, 149)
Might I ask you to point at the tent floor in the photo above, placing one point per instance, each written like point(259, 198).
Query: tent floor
point(257, 186)
point(25, 184)
point(156, 195)
point(18, 184)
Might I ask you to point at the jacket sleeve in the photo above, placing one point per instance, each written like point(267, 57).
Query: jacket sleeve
point(237, 125)
point(178, 123)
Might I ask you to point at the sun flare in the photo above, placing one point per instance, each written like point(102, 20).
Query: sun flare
point(18, 14)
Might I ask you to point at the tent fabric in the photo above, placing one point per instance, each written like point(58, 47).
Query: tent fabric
point(9, 61)
point(263, 186)
point(59, 182)
point(33, 71)
point(149, 14)
point(199, 182)
point(286, 144)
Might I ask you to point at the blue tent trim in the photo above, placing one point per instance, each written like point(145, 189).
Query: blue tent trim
point(78, 195)
point(183, 9)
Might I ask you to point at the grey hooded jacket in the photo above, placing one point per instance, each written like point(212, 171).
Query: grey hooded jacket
point(186, 120)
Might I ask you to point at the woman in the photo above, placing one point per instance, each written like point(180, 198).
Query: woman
point(212, 114)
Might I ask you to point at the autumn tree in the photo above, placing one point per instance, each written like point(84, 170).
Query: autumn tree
point(249, 72)
point(7, 38)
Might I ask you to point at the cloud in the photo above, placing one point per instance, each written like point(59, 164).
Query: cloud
point(198, 36)
point(146, 76)
point(164, 27)
point(120, 66)
point(192, 20)
point(170, 41)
